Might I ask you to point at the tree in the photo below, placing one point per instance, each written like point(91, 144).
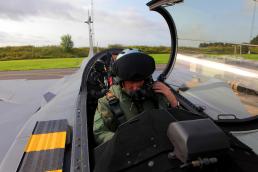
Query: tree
point(115, 46)
point(203, 45)
point(66, 42)
point(254, 40)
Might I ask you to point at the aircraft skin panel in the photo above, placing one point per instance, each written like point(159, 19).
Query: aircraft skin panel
point(13, 117)
point(53, 111)
point(62, 106)
point(22, 101)
point(49, 96)
point(14, 155)
point(216, 98)
point(250, 138)
point(24, 91)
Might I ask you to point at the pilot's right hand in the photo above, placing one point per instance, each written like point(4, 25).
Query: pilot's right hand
point(160, 87)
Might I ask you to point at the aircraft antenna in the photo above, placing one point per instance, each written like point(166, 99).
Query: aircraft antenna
point(92, 18)
point(91, 33)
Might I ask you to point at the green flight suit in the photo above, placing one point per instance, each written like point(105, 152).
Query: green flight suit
point(103, 113)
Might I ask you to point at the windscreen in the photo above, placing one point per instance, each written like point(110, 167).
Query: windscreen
point(217, 59)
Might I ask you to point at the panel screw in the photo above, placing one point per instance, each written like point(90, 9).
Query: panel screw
point(171, 155)
point(128, 154)
point(151, 163)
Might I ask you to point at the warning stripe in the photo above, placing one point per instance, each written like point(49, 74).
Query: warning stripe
point(54, 171)
point(40, 142)
point(45, 149)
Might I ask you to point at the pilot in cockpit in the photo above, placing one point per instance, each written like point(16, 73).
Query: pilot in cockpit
point(135, 92)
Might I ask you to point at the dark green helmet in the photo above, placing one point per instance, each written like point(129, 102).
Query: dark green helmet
point(133, 65)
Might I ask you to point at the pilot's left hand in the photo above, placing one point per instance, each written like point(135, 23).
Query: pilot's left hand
point(160, 87)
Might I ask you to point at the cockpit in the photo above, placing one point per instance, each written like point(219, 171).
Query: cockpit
point(206, 54)
point(210, 71)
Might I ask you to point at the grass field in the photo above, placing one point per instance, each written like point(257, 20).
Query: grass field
point(58, 63)
point(40, 64)
point(74, 62)
point(251, 56)
point(160, 58)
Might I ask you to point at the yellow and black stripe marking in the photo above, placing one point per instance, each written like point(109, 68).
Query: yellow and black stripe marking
point(41, 142)
point(45, 149)
point(54, 171)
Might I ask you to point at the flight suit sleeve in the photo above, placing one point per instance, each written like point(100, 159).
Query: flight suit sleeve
point(101, 132)
point(163, 102)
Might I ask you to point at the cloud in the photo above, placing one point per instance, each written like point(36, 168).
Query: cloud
point(21, 9)
point(250, 4)
point(3, 35)
point(42, 22)
point(17, 39)
point(130, 26)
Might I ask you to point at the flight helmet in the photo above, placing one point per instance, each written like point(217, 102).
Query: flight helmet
point(133, 65)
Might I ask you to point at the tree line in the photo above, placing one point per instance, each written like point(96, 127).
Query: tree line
point(45, 52)
point(227, 48)
point(66, 50)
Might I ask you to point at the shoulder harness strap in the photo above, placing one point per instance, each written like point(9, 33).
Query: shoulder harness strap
point(115, 108)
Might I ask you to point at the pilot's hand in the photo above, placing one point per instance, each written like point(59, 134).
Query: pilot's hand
point(160, 87)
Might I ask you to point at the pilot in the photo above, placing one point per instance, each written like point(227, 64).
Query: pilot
point(111, 78)
point(135, 93)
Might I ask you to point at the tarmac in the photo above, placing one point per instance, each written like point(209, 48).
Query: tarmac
point(36, 74)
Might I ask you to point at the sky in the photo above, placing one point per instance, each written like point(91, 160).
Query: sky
point(226, 21)
point(43, 22)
